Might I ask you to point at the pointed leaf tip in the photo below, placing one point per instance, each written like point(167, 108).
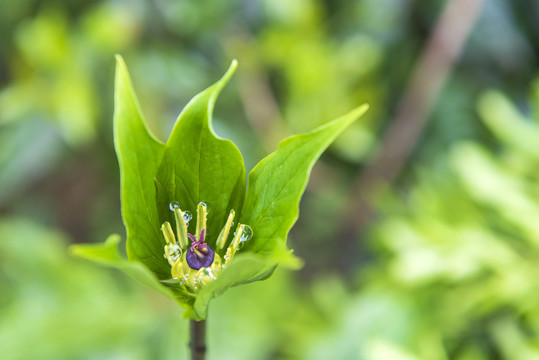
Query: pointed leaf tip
point(233, 65)
point(357, 112)
point(362, 109)
point(226, 77)
point(120, 64)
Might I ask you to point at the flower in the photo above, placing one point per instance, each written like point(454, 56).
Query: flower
point(194, 170)
point(195, 266)
point(200, 254)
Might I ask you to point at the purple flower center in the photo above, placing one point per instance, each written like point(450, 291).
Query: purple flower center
point(200, 254)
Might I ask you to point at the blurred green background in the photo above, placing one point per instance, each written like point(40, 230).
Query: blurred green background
point(446, 266)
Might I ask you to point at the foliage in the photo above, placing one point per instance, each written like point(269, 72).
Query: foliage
point(466, 239)
point(445, 270)
point(46, 297)
point(195, 167)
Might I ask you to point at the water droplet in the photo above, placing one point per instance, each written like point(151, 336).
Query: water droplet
point(187, 216)
point(209, 272)
point(174, 205)
point(246, 234)
point(174, 251)
point(206, 205)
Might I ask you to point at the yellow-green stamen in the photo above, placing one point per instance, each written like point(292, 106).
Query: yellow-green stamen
point(223, 235)
point(181, 228)
point(184, 273)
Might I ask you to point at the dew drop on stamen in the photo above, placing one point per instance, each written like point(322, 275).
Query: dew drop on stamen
point(246, 234)
point(174, 251)
point(173, 205)
point(206, 205)
point(187, 216)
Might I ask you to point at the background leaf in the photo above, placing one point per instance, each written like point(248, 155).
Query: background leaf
point(138, 155)
point(198, 166)
point(276, 184)
point(69, 308)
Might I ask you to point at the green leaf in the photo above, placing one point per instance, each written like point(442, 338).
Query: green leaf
point(276, 184)
point(244, 269)
point(508, 124)
point(139, 155)
point(198, 166)
point(107, 254)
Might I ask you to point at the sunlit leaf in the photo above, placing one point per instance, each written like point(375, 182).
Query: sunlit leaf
point(276, 184)
point(198, 166)
point(139, 155)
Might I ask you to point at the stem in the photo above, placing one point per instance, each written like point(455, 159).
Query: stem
point(198, 340)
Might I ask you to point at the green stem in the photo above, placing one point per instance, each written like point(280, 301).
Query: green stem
point(198, 340)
